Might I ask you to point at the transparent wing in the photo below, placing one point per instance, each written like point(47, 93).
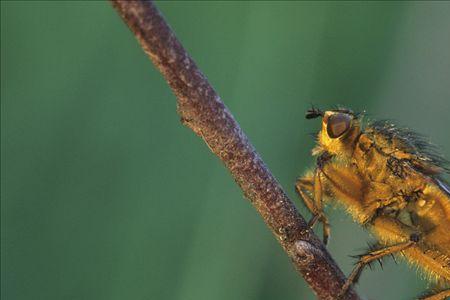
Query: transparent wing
point(444, 186)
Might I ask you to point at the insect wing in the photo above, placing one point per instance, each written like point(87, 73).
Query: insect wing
point(444, 186)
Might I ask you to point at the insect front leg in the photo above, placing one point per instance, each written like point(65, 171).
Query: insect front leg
point(303, 186)
point(318, 200)
point(312, 185)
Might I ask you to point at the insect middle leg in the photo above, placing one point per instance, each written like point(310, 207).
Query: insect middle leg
point(313, 185)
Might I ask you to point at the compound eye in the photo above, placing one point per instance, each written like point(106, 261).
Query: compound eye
point(337, 125)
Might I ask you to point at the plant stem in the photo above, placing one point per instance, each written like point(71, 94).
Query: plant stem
point(202, 110)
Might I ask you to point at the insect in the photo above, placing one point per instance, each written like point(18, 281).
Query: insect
point(390, 181)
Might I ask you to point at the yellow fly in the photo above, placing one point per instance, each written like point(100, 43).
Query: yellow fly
point(389, 180)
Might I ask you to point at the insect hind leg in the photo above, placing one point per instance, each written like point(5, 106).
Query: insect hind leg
point(442, 295)
point(367, 258)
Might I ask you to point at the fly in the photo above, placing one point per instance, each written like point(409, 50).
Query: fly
point(390, 181)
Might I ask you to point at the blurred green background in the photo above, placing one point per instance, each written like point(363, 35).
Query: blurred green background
point(105, 195)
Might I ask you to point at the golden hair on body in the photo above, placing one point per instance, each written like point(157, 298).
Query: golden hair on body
point(389, 180)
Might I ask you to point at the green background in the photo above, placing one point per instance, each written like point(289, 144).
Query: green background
point(105, 195)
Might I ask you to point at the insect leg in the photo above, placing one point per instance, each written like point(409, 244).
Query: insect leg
point(365, 259)
point(302, 186)
point(442, 295)
point(318, 200)
point(313, 185)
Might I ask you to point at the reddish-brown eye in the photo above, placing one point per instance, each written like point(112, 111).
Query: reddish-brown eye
point(338, 124)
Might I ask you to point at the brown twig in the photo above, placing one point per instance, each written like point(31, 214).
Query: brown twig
point(202, 110)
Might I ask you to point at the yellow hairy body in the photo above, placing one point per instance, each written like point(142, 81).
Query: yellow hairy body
point(387, 185)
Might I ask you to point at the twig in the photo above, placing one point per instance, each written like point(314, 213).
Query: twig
point(202, 110)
